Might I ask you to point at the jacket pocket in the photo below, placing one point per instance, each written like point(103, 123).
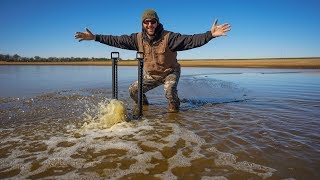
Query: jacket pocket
point(147, 49)
point(161, 49)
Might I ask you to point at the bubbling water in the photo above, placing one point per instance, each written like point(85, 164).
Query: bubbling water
point(104, 146)
point(108, 115)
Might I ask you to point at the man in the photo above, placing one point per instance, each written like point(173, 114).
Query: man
point(160, 53)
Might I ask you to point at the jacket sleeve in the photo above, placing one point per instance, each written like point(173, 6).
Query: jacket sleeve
point(178, 42)
point(124, 41)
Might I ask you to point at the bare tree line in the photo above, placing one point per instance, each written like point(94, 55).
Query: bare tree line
point(17, 58)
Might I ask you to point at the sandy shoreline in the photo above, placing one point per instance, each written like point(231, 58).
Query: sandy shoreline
point(303, 63)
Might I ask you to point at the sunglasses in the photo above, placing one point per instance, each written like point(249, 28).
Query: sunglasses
point(153, 21)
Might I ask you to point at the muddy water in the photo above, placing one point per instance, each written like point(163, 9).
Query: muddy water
point(233, 124)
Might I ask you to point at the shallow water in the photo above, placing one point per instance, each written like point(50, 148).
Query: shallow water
point(234, 124)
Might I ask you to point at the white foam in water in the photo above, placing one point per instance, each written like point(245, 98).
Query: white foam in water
point(92, 145)
point(227, 159)
point(214, 178)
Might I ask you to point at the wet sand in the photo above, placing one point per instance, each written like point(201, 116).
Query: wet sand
point(300, 63)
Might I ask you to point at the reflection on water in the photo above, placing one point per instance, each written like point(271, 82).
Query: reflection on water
point(34, 80)
point(247, 124)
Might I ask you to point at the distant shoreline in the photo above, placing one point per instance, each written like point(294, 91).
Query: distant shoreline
point(294, 63)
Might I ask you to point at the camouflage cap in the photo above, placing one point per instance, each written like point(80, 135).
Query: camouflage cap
point(150, 14)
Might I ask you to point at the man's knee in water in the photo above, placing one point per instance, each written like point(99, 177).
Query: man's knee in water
point(170, 89)
point(133, 90)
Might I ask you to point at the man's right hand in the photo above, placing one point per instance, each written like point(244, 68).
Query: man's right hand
point(84, 35)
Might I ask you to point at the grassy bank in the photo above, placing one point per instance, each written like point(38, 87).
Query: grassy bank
point(306, 63)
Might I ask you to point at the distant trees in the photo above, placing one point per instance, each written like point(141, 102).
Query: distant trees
point(17, 58)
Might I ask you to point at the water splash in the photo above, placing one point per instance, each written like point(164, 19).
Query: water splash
point(108, 115)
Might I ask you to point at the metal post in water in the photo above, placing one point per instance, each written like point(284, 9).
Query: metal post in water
point(140, 56)
point(115, 58)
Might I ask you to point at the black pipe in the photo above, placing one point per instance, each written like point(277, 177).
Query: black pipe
point(140, 57)
point(115, 58)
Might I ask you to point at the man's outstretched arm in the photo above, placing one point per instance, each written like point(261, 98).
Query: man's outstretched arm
point(178, 42)
point(123, 41)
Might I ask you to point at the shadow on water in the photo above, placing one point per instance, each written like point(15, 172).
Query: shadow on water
point(192, 103)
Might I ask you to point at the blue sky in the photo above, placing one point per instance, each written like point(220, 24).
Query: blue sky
point(260, 28)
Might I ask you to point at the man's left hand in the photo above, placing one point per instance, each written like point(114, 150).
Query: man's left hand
point(220, 30)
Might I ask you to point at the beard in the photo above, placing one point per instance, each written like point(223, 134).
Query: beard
point(155, 35)
point(148, 32)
